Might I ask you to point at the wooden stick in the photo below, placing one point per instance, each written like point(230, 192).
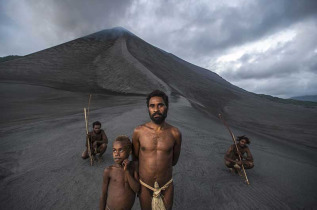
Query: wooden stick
point(235, 143)
point(88, 109)
point(88, 140)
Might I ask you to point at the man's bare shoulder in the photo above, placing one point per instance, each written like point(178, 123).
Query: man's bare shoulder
point(141, 128)
point(175, 131)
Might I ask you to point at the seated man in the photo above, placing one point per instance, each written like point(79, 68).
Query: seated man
point(232, 160)
point(98, 140)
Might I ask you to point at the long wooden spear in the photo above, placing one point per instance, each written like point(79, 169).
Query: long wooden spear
point(91, 157)
point(88, 109)
point(235, 143)
point(87, 138)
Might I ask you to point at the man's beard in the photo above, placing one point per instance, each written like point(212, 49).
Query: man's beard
point(97, 132)
point(242, 146)
point(158, 120)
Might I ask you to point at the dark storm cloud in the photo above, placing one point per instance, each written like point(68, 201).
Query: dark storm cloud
point(226, 26)
point(34, 25)
point(272, 63)
point(294, 57)
point(80, 17)
point(197, 25)
point(285, 70)
point(197, 31)
point(289, 86)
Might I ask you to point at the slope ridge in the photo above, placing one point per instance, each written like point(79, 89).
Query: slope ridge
point(117, 70)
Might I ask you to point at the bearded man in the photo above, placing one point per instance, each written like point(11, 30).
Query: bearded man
point(156, 146)
point(232, 160)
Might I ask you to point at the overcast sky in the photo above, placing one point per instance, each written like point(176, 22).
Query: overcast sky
point(265, 46)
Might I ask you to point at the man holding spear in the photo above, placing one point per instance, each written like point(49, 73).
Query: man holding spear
point(96, 140)
point(99, 141)
point(232, 159)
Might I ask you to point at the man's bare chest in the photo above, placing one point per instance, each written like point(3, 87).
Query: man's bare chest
point(156, 141)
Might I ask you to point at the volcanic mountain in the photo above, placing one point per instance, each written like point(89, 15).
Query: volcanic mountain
point(117, 61)
point(51, 86)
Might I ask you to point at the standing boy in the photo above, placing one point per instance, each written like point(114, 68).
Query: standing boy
point(120, 183)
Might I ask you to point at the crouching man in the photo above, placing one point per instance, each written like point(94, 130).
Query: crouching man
point(232, 160)
point(98, 140)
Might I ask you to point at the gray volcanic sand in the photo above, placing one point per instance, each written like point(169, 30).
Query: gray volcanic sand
point(43, 133)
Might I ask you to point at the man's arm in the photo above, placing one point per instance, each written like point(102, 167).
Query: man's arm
point(132, 180)
point(135, 144)
point(104, 138)
point(227, 155)
point(249, 155)
point(105, 182)
point(177, 146)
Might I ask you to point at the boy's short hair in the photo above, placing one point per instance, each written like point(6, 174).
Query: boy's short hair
point(159, 94)
point(244, 137)
point(124, 140)
point(96, 123)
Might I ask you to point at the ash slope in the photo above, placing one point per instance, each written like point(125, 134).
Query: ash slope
point(41, 144)
point(117, 61)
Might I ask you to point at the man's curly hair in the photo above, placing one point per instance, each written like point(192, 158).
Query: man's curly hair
point(244, 137)
point(159, 94)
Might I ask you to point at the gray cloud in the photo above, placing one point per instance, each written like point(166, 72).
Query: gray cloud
point(54, 22)
point(285, 88)
point(294, 62)
point(225, 27)
point(197, 31)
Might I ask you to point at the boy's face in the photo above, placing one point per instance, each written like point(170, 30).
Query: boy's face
point(119, 152)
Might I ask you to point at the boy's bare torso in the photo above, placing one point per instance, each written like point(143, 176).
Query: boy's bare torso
point(120, 195)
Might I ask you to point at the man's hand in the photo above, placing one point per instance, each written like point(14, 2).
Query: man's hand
point(94, 145)
point(239, 162)
point(239, 153)
point(125, 164)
